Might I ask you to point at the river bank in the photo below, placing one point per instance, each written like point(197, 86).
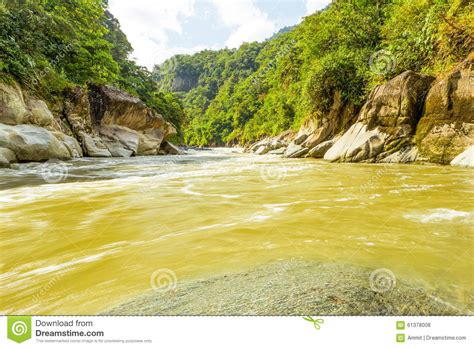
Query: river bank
point(294, 287)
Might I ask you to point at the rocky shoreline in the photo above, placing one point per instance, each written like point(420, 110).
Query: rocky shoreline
point(293, 287)
point(92, 121)
point(411, 118)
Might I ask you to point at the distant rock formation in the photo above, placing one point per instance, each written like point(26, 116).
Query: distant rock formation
point(412, 117)
point(100, 121)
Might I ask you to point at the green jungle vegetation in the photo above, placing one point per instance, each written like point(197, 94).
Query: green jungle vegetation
point(235, 96)
point(241, 95)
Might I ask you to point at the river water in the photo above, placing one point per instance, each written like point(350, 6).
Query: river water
point(111, 229)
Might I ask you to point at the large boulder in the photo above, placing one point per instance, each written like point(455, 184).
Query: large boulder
point(170, 149)
point(447, 125)
point(7, 156)
point(120, 141)
point(464, 159)
point(94, 146)
point(295, 151)
point(395, 108)
point(327, 125)
point(111, 106)
point(71, 144)
point(31, 143)
point(13, 108)
point(320, 150)
point(386, 122)
point(406, 154)
point(357, 144)
point(39, 114)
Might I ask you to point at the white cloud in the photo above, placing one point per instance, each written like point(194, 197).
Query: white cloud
point(315, 5)
point(247, 20)
point(147, 23)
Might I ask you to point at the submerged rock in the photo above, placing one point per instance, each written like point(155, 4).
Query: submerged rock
point(464, 159)
point(289, 288)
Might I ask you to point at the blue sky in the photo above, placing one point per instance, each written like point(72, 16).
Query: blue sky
point(161, 28)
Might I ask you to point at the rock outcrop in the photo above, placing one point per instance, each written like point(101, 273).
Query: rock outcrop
point(464, 159)
point(386, 122)
point(320, 150)
point(447, 126)
point(31, 143)
point(100, 122)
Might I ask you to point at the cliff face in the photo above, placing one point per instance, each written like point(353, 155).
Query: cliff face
point(447, 126)
point(99, 122)
point(411, 117)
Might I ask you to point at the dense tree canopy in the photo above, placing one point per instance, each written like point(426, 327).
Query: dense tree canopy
point(48, 45)
point(264, 88)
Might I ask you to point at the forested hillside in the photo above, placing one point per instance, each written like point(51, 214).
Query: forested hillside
point(51, 45)
point(238, 96)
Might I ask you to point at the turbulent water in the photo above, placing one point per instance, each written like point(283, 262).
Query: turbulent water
point(112, 229)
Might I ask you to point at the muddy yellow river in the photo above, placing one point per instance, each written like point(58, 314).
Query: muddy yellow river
point(99, 236)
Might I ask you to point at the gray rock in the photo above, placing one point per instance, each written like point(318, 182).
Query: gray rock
point(7, 156)
point(320, 150)
point(117, 149)
point(171, 149)
point(31, 143)
point(120, 141)
point(40, 114)
point(150, 142)
point(13, 109)
point(295, 151)
point(279, 151)
point(71, 144)
point(356, 145)
point(300, 139)
point(406, 155)
point(464, 159)
point(93, 146)
point(263, 149)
